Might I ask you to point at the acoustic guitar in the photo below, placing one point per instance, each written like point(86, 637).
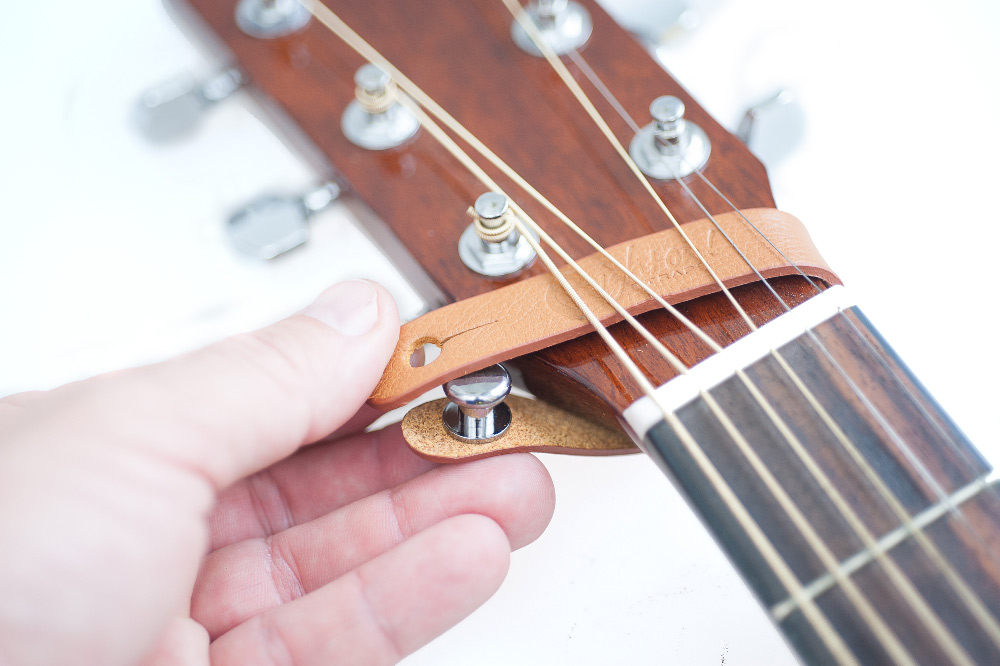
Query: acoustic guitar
point(701, 321)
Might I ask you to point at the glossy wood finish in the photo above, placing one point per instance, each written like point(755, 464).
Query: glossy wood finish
point(584, 375)
point(932, 461)
point(462, 55)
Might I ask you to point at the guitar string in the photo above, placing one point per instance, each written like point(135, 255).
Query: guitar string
point(942, 634)
point(516, 11)
point(830, 638)
point(898, 381)
point(734, 504)
point(963, 590)
point(736, 435)
point(966, 594)
point(968, 597)
point(605, 295)
point(892, 644)
point(611, 99)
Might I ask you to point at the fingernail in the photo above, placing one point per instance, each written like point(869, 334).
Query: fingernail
point(349, 307)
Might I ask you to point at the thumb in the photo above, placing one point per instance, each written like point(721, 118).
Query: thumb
point(243, 403)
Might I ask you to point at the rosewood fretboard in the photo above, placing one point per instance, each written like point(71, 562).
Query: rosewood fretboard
point(904, 567)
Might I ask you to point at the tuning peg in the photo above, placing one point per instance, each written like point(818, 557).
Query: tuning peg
point(173, 109)
point(374, 119)
point(563, 24)
point(270, 19)
point(272, 225)
point(670, 147)
point(477, 412)
point(658, 22)
point(773, 127)
point(492, 245)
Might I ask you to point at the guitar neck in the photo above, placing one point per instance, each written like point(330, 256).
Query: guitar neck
point(860, 515)
point(851, 504)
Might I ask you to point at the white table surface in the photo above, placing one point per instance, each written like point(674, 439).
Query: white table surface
point(112, 253)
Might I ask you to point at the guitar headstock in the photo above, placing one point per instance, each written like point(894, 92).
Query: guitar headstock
point(463, 56)
point(873, 180)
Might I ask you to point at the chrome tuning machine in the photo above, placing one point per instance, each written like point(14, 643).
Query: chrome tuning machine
point(173, 109)
point(272, 225)
point(492, 244)
point(671, 146)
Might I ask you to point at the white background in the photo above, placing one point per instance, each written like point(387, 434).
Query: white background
point(112, 253)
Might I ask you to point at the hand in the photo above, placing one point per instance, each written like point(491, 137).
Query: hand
point(166, 515)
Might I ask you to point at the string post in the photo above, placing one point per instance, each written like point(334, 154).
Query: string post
point(670, 133)
point(562, 25)
point(492, 244)
point(375, 120)
point(670, 147)
point(494, 220)
point(548, 10)
point(270, 19)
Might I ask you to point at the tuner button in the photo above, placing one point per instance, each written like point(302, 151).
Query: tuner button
point(491, 206)
point(668, 116)
point(372, 79)
point(773, 127)
point(666, 110)
point(477, 412)
point(272, 225)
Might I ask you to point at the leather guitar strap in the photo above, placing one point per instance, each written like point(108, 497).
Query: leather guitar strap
point(536, 313)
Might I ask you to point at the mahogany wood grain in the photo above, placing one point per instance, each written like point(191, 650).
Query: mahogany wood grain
point(584, 375)
point(922, 472)
point(462, 55)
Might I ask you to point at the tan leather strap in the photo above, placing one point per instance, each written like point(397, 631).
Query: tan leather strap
point(535, 313)
point(535, 426)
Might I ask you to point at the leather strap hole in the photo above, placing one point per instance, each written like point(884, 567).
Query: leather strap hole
point(424, 353)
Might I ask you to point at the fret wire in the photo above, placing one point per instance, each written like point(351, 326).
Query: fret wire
point(733, 503)
point(968, 597)
point(891, 642)
point(886, 542)
point(592, 76)
point(898, 440)
point(958, 584)
point(883, 632)
point(829, 637)
point(886, 426)
point(923, 610)
point(886, 636)
point(548, 262)
point(965, 593)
